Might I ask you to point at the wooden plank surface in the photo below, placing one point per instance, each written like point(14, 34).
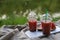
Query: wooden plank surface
point(21, 36)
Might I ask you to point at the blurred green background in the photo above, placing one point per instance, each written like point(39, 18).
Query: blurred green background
point(16, 11)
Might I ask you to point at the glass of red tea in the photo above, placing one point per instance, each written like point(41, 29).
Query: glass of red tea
point(32, 25)
point(46, 28)
point(32, 21)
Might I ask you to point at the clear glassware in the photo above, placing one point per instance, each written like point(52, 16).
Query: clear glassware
point(46, 24)
point(32, 16)
point(44, 19)
point(32, 21)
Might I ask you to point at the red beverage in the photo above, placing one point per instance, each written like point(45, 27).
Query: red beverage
point(32, 25)
point(53, 26)
point(46, 28)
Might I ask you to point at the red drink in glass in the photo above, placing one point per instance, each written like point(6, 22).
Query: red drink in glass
point(32, 25)
point(46, 28)
point(53, 26)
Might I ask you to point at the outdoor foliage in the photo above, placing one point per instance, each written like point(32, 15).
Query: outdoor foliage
point(11, 8)
point(8, 6)
point(14, 21)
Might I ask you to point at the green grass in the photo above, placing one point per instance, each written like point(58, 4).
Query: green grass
point(20, 20)
point(14, 21)
point(55, 19)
